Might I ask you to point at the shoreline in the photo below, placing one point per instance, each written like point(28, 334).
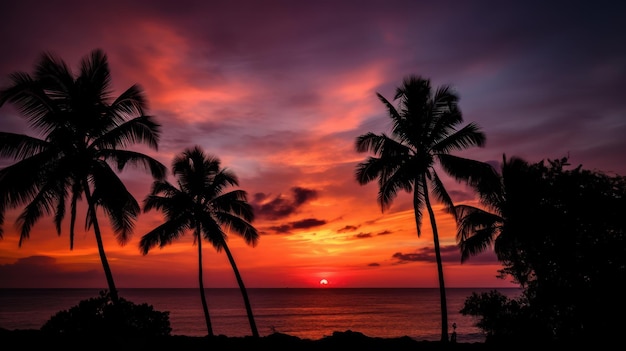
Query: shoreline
point(31, 339)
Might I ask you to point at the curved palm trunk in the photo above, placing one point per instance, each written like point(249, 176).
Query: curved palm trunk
point(255, 332)
point(442, 287)
point(205, 307)
point(98, 233)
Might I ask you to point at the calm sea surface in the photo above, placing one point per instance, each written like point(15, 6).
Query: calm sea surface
point(305, 313)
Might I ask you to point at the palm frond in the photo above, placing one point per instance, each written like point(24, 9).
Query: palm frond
point(479, 175)
point(29, 97)
point(76, 195)
point(141, 129)
point(235, 224)
point(221, 180)
point(95, 75)
point(117, 202)
point(441, 194)
point(212, 230)
point(164, 234)
point(20, 146)
point(234, 202)
point(370, 142)
point(121, 158)
point(42, 204)
point(391, 110)
point(468, 136)
point(476, 230)
point(419, 202)
point(132, 102)
point(21, 181)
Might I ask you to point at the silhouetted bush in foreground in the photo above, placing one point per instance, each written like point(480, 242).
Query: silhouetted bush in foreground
point(100, 316)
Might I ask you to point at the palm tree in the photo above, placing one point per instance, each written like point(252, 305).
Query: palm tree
point(508, 200)
point(82, 133)
point(199, 203)
point(424, 131)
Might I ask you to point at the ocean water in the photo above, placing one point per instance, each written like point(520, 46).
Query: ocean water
point(305, 313)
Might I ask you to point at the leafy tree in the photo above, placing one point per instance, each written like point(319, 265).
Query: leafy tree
point(424, 134)
point(199, 203)
point(560, 234)
point(99, 316)
point(82, 132)
point(503, 320)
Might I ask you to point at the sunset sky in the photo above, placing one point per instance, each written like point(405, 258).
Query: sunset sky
point(279, 90)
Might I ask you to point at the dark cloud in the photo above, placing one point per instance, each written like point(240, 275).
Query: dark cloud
point(301, 224)
point(281, 229)
point(363, 235)
point(280, 206)
point(449, 253)
point(307, 223)
point(302, 195)
point(374, 264)
point(44, 271)
point(348, 228)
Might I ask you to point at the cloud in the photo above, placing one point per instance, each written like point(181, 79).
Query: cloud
point(307, 223)
point(348, 228)
point(280, 206)
point(363, 235)
point(301, 224)
point(44, 271)
point(449, 253)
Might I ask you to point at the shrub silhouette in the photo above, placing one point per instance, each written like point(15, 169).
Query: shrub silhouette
point(100, 316)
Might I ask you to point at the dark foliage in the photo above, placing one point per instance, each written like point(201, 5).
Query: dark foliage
point(563, 238)
point(504, 320)
point(426, 130)
point(99, 316)
point(338, 341)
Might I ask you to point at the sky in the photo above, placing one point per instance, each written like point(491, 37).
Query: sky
point(279, 91)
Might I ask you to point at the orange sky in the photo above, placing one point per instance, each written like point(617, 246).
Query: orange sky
point(279, 93)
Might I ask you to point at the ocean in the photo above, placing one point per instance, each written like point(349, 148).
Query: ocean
point(305, 313)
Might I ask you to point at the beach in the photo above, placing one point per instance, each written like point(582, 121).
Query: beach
point(31, 339)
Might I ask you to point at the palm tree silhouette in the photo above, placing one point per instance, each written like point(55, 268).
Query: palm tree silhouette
point(83, 132)
point(424, 132)
point(199, 203)
point(508, 200)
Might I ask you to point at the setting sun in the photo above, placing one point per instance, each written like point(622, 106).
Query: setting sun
point(323, 282)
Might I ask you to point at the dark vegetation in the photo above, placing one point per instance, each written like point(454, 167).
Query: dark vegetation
point(561, 235)
point(426, 129)
point(558, 232)
point(338, 341)
point(82, 135)
point(99, 317)
point(200, 203)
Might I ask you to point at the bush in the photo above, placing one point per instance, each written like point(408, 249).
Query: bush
point(100, 316)
point(504, 320)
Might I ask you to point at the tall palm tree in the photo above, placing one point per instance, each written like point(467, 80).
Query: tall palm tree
point(199, 203)
point(424, 131)
point(82, 132)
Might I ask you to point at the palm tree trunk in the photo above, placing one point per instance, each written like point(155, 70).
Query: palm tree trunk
point(205, 307)
point(255, 332)
point(98, 233)
point(442, 287)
